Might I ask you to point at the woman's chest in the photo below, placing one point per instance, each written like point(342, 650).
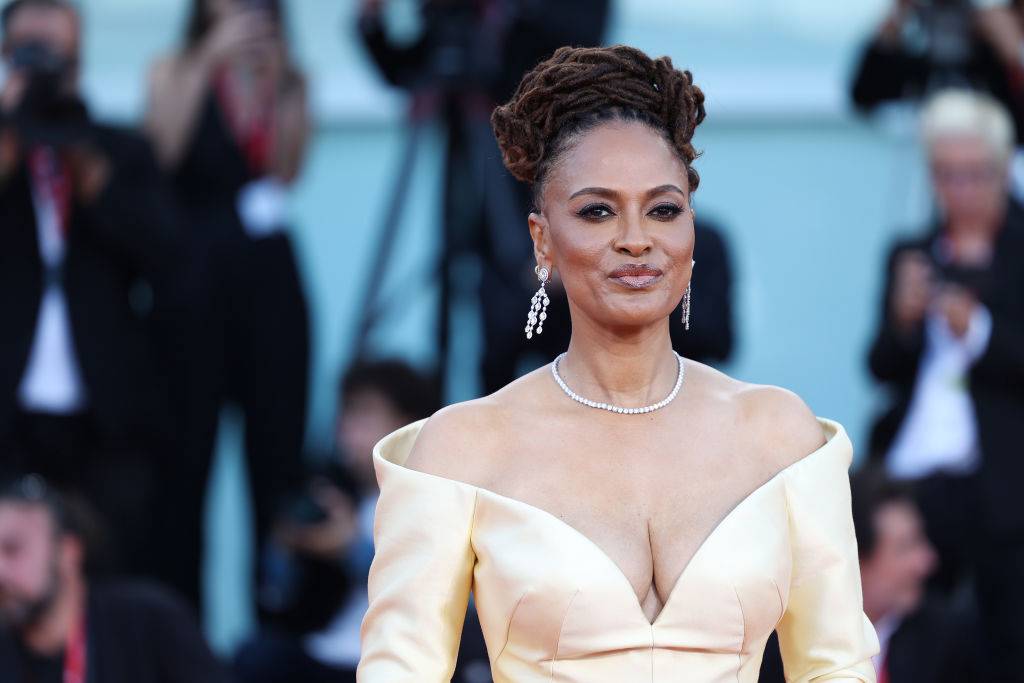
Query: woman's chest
point(543, 585)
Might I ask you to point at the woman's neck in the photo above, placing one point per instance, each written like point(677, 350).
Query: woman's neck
point(630, 370)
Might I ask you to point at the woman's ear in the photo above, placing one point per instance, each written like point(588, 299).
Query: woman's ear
point(541, 239)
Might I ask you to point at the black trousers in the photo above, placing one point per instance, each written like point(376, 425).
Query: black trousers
point(245, 342)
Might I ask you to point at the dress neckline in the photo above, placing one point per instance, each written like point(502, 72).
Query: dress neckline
point(401, 442)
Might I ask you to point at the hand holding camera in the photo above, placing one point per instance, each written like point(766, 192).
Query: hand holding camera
point(956, 304)
point(326, 534)
point(246, 31)
point(912, 289)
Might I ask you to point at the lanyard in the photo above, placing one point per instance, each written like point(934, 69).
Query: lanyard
point(50, 176)
point(75, 664)
point(256, 135)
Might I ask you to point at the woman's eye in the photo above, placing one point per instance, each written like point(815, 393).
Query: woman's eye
point(594, 212)
point(666, 212)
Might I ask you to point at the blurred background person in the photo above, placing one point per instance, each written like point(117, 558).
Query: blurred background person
point(86, 249)
point(923, 46)
point(57, 625)
point(315, 586)
point(228, 117)
point(469, 57)
point(950, 346)
point(923, 639)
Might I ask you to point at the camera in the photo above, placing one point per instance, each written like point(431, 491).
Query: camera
point(49, 112)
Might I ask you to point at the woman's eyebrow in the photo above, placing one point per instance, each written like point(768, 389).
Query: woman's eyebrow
point(600, 191)
point(611, 194)
point(665, 188)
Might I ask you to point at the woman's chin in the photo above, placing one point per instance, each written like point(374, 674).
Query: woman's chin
point(636, 318)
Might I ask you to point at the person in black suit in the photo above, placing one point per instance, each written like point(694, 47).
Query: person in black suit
point(922, 47)
point(950, 347)
point(923, 639)
point(229, 120)
point(58, 625)
point(86, 245)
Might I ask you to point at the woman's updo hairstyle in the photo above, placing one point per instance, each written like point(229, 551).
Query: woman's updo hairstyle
point(579, 88)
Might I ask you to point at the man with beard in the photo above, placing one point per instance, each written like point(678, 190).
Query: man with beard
point(58, 626)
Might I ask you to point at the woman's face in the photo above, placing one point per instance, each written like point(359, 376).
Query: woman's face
point(615, 222)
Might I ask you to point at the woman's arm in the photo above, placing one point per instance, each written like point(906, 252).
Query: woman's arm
point(824, 634)
point(422, 571)
point(178, 84)
point(293, 127)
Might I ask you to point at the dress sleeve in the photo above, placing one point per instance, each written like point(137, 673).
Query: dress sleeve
point(420, 578)
point(824, 634)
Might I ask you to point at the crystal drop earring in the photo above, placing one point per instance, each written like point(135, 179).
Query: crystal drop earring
point(539, 304)
point(686, 299)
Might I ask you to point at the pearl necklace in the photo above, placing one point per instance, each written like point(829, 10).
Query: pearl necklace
point(617, 409)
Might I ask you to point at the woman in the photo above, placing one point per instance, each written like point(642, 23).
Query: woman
point(228, 119)
point(622, 514)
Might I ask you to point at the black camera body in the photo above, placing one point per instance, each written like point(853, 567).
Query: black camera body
point(49, 112)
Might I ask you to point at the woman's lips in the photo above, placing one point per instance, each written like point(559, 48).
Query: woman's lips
point(636, 276)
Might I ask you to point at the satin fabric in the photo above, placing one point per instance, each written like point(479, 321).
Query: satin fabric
point(554, 607)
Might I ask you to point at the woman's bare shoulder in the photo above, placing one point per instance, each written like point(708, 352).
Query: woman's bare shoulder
point(768, 420)
point(461, 440)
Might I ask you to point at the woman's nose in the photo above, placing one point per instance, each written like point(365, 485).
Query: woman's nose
point(632, 238)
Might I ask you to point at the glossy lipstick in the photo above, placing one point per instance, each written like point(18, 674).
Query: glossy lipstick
point(636, 275)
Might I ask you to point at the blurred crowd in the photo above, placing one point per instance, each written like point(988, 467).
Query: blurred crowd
point(148, 278)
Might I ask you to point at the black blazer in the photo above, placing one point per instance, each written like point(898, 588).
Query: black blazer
point(120, 254)
point(996, 379)
point(887, 74)
point(138, 633)
point(932, 645)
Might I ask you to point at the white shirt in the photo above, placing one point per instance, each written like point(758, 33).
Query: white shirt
point(940, 431)
point(52, 382)
point(885, 628)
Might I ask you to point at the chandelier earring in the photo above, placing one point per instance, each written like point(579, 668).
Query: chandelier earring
point(539, 304)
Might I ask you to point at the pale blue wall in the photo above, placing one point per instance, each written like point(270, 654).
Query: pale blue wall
point(808, 194)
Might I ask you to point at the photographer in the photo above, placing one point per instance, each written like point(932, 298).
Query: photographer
point(86, 247)
point(468, 59)
point(228, 117)
point(922, 46)
point(319, 559)
point(950, 346)
point(58, 624)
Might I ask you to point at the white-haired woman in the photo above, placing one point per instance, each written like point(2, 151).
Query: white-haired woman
point(950, 343)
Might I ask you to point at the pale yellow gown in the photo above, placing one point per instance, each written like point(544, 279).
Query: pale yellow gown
point(554, 607)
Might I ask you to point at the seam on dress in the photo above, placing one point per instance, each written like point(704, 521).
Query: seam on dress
point(782, 603)
point(653, 658)
point(508, 627)
point(561, 627)
point(472, 517)
point(469, 541)
point(743, 637)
